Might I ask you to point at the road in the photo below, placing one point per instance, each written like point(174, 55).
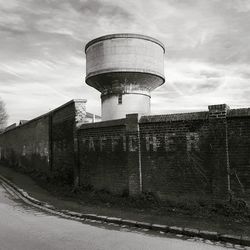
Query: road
point(25, 228)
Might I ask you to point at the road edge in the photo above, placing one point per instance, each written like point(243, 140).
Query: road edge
point(190, 232)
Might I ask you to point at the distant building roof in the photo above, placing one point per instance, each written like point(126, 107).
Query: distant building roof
point(21, 122)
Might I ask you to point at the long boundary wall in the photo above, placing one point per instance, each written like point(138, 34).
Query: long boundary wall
point(197, 154)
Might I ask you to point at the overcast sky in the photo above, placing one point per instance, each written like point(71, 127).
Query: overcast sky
point(42, 59)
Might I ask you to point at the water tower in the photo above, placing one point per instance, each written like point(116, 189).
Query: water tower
point(125, 68)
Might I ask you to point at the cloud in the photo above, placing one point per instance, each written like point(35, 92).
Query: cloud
point(193, 86)
point(43, 61)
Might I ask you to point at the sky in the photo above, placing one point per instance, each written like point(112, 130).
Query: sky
point(42, 58)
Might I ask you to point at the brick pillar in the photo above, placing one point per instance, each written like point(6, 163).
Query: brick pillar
point(134, 157)
point(80, 118)
point(219, 158)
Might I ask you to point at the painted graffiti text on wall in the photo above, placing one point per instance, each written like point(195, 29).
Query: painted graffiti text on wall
point(130, 143)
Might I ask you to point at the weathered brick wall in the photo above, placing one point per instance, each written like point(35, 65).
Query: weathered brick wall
point(46, 143)
point(62, 142)
point(239, 150)
point(103, 157)
point(63, 134)
point(27, 146)
point(193, 154)
point(218, 150)
point(133, 149)
point(174, 154)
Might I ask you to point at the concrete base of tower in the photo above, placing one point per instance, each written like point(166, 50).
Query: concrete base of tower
point(116, 106)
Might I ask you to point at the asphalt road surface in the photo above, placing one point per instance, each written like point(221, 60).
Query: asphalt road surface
point(25, 228)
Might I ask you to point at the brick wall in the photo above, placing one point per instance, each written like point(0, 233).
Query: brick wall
point(192, 154)
point(47, 143)
point(63, 139)
point(195, 153)
point(219, 157)
point(239, 151)
point(174, 153)
point(27, 146)
point(110, 155)
point(103, 156)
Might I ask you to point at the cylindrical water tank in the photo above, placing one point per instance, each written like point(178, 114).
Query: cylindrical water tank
point(125, 68)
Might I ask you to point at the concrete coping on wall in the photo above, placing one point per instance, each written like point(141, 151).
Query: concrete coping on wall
point(46, 114)
point(175, 117)
point(110, 123)
point(239, 112)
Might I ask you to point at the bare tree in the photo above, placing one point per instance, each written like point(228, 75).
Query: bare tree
point(3, 116)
